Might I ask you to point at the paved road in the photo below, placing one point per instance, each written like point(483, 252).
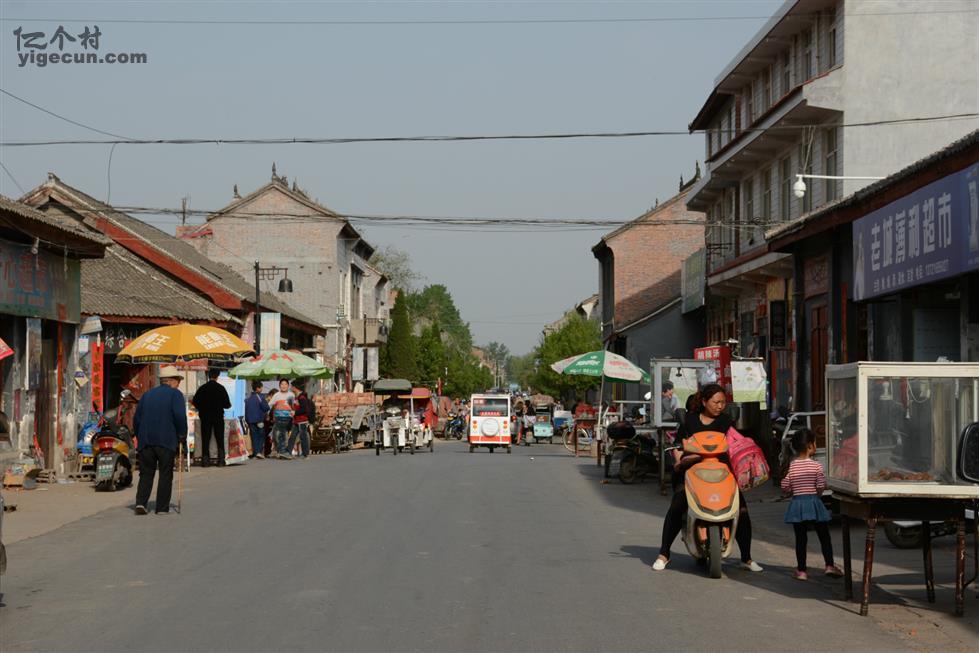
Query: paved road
point(448, 551)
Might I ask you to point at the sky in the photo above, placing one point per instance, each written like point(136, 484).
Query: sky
point(227, 77)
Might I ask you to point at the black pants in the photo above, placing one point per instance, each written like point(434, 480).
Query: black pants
point(211, 425)
point(151, 458)
point(673, 524)
point(802, 540)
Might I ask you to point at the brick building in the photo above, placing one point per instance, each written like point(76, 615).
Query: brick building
point(639, 283)
point(278, 225)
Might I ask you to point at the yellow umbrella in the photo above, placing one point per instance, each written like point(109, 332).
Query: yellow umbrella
point(184, 342)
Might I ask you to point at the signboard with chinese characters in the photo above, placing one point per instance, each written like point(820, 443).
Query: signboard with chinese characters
point(39, 285)
point(928, 235)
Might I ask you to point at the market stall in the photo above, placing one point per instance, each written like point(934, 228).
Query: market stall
point(903, 444)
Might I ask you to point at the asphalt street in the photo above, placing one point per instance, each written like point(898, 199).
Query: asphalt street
point(443, 551)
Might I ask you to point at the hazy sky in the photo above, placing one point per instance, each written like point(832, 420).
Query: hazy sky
point(229, 80)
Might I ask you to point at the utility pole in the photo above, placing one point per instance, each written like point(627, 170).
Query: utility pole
point(364, 348)
point(183, 211)
point(258, 313)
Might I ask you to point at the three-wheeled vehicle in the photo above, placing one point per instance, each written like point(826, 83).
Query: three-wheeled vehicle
point(489, 422)
point(543, 424)
point(391, 432)
point(416, 432)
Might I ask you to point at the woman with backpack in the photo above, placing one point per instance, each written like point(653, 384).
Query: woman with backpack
point(708, 415)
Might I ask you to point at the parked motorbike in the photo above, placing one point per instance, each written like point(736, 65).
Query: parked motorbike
point(713, 501)
point(343, 437)
point(909, 534)
point(113, 460)
point(640, 459)
point(455, 427)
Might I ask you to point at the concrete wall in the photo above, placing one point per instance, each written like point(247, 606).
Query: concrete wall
point(904, 66)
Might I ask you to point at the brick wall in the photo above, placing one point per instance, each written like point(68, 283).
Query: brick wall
point(648, 256)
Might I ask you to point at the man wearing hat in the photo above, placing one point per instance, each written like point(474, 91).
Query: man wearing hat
point(160, 423)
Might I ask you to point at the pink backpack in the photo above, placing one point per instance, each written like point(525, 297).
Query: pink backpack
point(747, 460)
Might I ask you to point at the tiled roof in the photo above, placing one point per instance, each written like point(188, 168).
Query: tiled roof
point(123, 284)
point(72, 227)
point(182, 252)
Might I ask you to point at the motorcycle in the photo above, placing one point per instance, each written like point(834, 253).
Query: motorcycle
point(455, 427)
point(909, 534)
point(113, 462)
point(713, 501)
point(640, 459)
point(343, 437)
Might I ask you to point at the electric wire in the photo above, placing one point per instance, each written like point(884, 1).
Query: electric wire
point(59, 116)
point(480, 137)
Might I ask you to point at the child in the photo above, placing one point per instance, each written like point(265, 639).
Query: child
point(805, 481)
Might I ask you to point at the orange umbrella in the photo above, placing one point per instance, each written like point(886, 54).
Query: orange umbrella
point(184, 342)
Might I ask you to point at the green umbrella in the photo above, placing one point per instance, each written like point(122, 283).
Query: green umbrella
point(278, 363)
point(602, 364)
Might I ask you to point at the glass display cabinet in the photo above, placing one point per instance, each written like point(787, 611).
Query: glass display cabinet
point(903, 429)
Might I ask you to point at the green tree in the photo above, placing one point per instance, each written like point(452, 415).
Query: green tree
point(431, 356)
point(520, 369)
point(400, 352)
point(498, 354)
point(577, 336)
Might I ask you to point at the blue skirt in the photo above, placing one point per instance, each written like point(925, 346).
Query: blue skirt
point(806, 507)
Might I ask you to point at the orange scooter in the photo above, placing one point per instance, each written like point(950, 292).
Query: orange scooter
point(713, 501)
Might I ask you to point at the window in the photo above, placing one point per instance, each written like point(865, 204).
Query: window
point(766, 194)
point(356, 281)
point(737, 115)
point(805, 163)
point(787, 73)
point(766, 88)
point(785, 188)
point(749, 201)
point(831, 39)
point(730, 123)
point(807, 69)
point(750, 107)
point(830, 147)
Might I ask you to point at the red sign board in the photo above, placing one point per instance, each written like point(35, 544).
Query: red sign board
point(5, 350)
point(721, 354)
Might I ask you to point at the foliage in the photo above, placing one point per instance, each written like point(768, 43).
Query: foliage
point(577, 336)
point(399, 358)
point(395, 264)
point(497, 354)
point(431, 356)
point(520, 369)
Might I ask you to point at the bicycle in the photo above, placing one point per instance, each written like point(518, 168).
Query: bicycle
point(584, 435)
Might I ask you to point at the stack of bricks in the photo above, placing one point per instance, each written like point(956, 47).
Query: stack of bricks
point(329, 405)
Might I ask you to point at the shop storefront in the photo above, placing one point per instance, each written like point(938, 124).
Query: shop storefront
point(40, 299)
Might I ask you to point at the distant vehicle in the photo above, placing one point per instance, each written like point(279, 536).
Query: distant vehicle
point(489, 422)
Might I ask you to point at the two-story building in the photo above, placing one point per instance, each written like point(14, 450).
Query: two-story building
point(325, 257)
point(639, 284)
point(842, 92)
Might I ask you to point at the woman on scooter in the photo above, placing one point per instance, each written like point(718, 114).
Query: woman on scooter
point(708, 415)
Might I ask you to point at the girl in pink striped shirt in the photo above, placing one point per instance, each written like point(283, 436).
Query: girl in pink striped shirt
point(805, 482)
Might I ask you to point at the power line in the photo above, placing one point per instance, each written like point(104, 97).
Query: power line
point(59, 116)
point(484, 137)
point(453, 21)
point(12, 178)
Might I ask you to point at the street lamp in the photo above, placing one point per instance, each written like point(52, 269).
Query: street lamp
point(267, 274)
point(799, 187)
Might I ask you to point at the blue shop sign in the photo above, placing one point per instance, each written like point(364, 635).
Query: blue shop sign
point(928, 235)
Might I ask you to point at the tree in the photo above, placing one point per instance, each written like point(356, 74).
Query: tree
point(431, 356)
point(400, 351)
point(498, 354)
point(520, 369)
point(577, 336)
point(395, 264)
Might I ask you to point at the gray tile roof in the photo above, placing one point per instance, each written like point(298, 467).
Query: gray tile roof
point(123, 284)
point(182, 252)
point(22, 211)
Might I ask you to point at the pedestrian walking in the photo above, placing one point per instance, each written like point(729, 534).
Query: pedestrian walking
point(805, 482)
point(283, 405)
point(160, 424)
point(211, 400)
point(304, 414)
point(256, 409)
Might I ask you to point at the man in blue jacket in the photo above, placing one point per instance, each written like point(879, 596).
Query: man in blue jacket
point(160, 423)
point(256, 408)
